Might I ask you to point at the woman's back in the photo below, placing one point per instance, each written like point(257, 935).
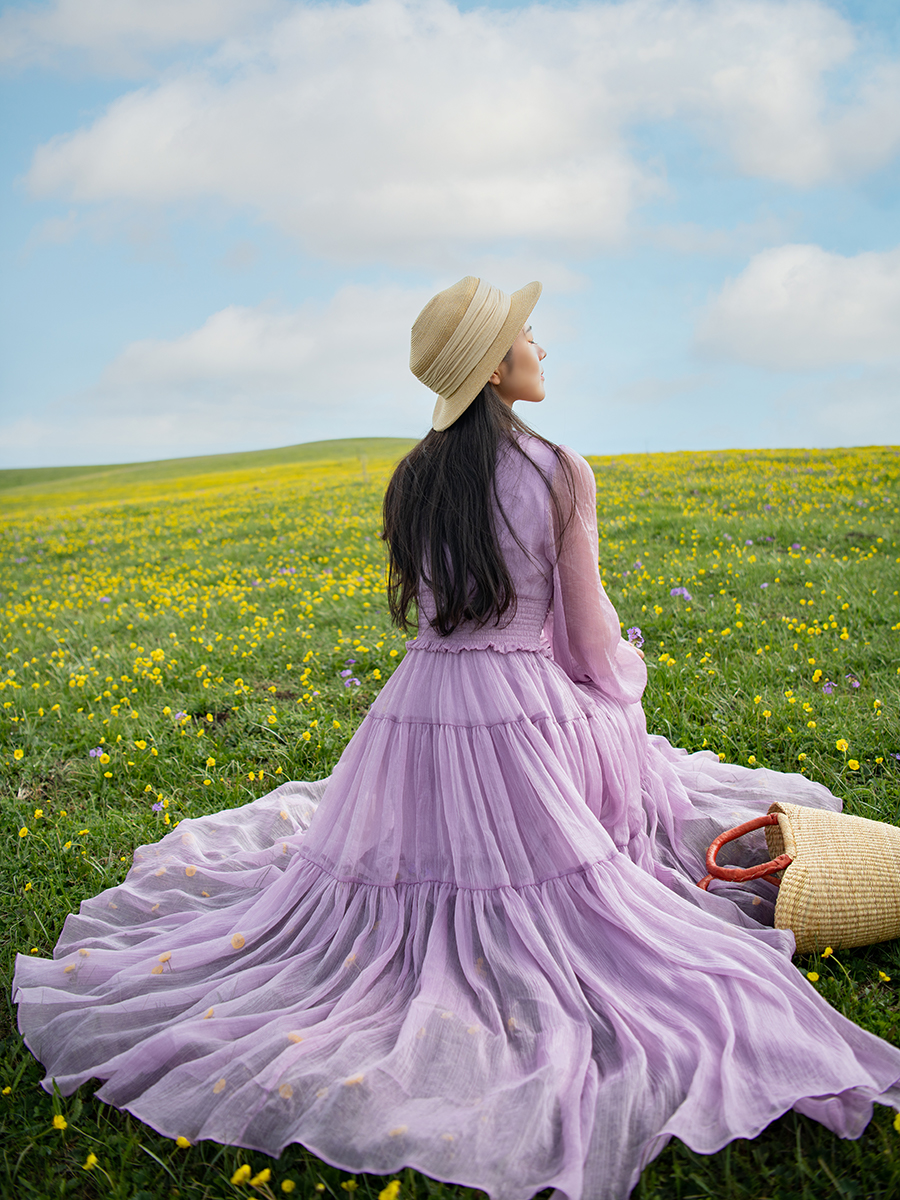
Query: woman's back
point(524, 526)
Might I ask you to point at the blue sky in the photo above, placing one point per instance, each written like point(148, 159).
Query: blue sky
point(220, 218)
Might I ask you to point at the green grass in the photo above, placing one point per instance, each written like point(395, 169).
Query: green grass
point(43, 482)
point(233, 590)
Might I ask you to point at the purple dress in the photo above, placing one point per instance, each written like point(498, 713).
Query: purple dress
point(478, 948)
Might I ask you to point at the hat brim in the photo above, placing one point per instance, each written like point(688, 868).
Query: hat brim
point(449, 408)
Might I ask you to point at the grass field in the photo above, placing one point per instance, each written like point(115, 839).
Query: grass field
point(177, 639)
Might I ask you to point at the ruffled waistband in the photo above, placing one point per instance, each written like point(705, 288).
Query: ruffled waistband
point(523, 632)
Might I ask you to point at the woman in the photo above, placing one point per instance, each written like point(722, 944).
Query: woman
point(478, 948)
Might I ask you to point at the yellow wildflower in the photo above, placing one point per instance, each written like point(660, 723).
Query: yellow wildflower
point(853, 764)
point(287, 1185)
point(18, 754)
point(390, 1192)
point(842, 745)
point(263, 1177)
point(182, 1143)
point(60, 1122)
point(23, 832)
point(812, 976)
point(242, 1174)
point(90, 1162)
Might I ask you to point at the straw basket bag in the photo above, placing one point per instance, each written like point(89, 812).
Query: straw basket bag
point(840, 885)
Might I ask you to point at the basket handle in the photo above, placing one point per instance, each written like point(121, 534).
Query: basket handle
point(740, 874)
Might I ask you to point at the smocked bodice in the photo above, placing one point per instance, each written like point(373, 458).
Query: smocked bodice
point(524, 631)
point(562, 608)
point(525, 499)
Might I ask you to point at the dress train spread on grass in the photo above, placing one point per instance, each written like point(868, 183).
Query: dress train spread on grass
point(478, 948)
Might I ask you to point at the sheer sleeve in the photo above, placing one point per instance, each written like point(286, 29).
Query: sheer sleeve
point(583, 626)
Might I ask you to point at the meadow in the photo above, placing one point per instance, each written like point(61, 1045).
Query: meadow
point(180, 637)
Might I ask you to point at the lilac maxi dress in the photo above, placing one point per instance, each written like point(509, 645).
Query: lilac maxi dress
point(478, 948)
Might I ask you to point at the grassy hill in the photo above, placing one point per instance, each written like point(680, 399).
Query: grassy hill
point(103, 482)
point(335, 450)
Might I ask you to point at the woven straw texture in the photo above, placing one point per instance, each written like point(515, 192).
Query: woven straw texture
point(460, 337)
point(843, 887)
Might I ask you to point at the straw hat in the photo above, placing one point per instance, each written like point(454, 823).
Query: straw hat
point(461, 336)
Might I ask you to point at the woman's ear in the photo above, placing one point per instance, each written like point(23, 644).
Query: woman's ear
point(495, 379)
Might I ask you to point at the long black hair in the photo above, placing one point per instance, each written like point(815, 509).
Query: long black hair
point(440, 518)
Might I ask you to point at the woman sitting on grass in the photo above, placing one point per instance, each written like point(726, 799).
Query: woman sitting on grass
point(478, 948)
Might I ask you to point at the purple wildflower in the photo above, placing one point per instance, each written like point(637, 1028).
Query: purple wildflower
point(827, 687)
point(96, 752)
point(763, 585)
point(635, 636)
point(769, 539)
point(349, 661)
point(681, 591)
point(638, 563)
point(795, 545)
point(749, 542)
point(344, 674)
point(349, 682)
point(767, 506)
point(852, 680)
point(179, 716)
point(158, 806)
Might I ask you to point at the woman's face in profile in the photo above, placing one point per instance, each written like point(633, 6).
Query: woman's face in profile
point(521, 377)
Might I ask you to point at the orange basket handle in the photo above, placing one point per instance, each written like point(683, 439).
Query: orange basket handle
point(740, 874)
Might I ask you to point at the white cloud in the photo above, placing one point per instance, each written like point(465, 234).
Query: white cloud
point(404, 129)
point(118, 36)
point(800, 307)
point(247, 377)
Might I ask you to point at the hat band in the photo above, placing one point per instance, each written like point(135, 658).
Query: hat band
point(470, 341)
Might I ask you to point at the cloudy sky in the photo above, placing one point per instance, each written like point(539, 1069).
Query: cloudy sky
point(220, 217)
